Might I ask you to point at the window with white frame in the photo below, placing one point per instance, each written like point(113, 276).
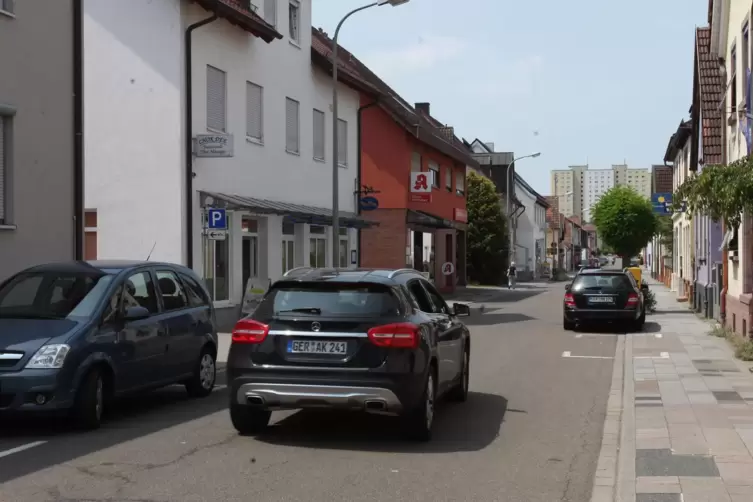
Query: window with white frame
point(5, 127)
point(217, 265)
point(288, 246)
point(460, 183)
point(434, 170)
point(319, 126)
point(270, 12)
point(216, 99)
point(294, 20)
point(342, 143)
point(8, 6)
point(344, 247)
point(318, 246)
point(292, 126)
point(415, 162)
point(254, 112)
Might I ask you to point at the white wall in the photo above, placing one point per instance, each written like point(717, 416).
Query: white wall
point(529, 230)
point(133, 79)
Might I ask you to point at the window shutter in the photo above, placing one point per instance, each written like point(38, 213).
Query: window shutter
point(216, 106)
point(254, 111)
point(342, 142)
point(2, 169)
point(291, 125)
point(415, 165)
point(270, 12)
point(319, 126)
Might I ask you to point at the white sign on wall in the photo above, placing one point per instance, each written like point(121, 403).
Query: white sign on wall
point(421, 182)
point(213, 145)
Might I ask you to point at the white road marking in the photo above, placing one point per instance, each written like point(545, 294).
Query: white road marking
point(662, 355)
point(23, 447)
point(567, 353)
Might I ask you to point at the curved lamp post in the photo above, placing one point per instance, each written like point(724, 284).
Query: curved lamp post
point(335, 146)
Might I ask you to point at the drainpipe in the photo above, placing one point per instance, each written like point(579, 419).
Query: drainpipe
point(78, 128)
point(358, 171)
point(189, 137)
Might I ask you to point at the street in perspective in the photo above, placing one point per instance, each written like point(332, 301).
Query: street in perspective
point(331, 250)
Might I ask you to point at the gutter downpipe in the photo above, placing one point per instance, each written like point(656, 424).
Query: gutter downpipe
point(189, 137)
point(358, 172)
point(78, 128)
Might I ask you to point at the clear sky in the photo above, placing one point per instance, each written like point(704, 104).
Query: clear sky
point(603, 81)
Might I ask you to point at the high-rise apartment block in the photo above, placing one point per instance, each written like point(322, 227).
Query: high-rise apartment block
point(579, 188)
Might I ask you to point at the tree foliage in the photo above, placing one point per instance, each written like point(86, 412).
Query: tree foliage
point(722, 192)
point(625, 220)
point(487, 250)
point(664, 230)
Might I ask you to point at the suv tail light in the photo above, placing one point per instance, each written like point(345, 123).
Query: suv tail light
point(249, 331)
point(569, 300)
point(632, 301)
point(401, 335)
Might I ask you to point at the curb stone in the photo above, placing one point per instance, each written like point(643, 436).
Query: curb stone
point(612, 455)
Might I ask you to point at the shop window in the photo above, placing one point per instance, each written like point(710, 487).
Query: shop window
point(217, 266)
point(318, 252)
point(288, 254)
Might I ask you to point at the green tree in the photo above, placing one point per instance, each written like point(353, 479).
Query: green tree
point(664, 230)
point(625, 220)
point(722, 192)
point(487, 251)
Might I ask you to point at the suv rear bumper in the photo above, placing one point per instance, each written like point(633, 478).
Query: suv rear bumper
point(293, 396)
point(282, 390)
point(594, 315)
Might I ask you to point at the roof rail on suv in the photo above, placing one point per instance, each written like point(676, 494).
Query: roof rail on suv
point(296, 269)
point(402, 271)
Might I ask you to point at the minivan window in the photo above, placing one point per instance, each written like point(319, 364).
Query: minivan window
point(593, 282)
point(329, 299)
point(52, 295)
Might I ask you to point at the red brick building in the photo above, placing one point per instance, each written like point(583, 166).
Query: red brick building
point(421, 231)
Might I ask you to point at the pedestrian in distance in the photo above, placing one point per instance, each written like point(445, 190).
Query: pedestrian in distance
point(511, 275)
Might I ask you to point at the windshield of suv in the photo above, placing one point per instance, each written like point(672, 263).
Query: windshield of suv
point(52, 295)
point(330, 299)
point(602, 282)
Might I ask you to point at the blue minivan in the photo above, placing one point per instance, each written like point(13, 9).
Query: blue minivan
point(75, 335)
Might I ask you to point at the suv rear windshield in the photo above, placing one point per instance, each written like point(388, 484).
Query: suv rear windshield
point(52, 295)
point(594, 282)
point(329, 299)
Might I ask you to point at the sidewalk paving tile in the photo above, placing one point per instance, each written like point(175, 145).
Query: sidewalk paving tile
point(692, 425)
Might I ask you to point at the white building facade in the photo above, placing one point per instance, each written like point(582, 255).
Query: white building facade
point(253, 83)
point(530, 235)
point(598, 182)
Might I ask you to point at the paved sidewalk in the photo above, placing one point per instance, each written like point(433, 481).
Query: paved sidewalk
point(684, 412)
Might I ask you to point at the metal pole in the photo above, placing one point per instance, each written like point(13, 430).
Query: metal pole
point(335, 145)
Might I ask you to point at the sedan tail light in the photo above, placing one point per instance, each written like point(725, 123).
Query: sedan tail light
point(632, 301)
point(569, 300)
point(249, 331)
point(401, 335)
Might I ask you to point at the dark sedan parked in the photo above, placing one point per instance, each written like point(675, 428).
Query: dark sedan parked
point(74, 335)
point(380, 341)
point(598, 295)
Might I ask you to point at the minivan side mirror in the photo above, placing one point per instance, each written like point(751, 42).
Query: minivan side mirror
point(461, 309)
point(136, 314)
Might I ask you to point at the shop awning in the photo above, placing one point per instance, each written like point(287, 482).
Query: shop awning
point(295, 213)
point(428, 220)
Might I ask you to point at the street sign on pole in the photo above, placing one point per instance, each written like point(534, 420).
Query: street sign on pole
point(216, 219)
point(216, 235)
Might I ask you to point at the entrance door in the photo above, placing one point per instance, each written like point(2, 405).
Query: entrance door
point(250, 255)
point(418, 251)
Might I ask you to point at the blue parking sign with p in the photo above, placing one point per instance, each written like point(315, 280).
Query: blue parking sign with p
point(216, 219)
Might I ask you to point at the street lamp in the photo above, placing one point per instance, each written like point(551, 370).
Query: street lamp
point(510, 191)
point(335, 146)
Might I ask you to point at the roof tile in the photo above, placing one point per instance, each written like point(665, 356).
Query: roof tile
point(711, 89)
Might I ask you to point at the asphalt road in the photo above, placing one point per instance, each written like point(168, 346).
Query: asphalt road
point(530, 432)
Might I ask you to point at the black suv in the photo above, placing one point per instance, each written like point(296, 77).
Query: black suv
point(380, 341)
point(604, 296)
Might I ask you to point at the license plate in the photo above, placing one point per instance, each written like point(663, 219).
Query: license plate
point(317, 347)
point(601, 299)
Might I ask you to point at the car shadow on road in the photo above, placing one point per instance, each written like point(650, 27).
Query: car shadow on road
point(469, 426)
point(128, 419)
point(490, 319)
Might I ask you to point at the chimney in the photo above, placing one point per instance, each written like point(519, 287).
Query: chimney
point(425, 108)
point(448, 133)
